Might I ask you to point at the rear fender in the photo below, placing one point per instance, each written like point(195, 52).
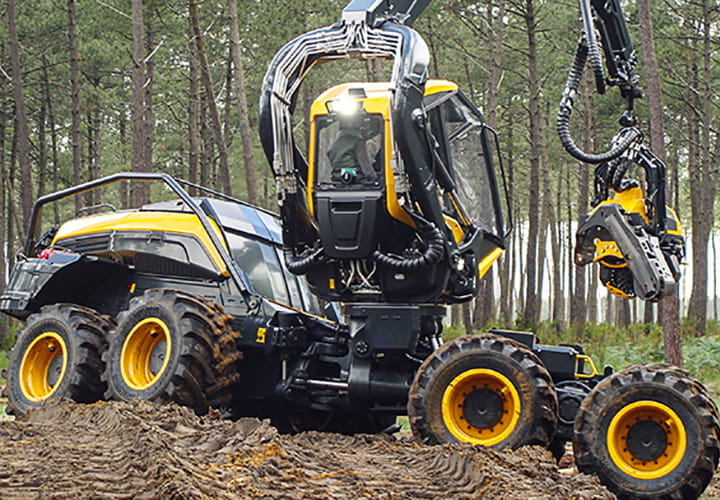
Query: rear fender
point(65, 277)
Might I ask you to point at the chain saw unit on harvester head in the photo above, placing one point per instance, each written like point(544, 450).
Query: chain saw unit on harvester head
point(398, 209)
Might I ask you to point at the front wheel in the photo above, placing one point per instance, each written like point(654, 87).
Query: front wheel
point(483, 390)
point(649, 431)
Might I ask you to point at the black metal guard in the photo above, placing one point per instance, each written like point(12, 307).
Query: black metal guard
point(170, 181)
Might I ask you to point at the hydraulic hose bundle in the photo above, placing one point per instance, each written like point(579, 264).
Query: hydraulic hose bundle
point(627, 136)
point(589, 46)
point(434, 251)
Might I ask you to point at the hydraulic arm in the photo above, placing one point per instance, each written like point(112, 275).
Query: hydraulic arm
point(630, 232)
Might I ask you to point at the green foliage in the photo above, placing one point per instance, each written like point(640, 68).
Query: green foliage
point(452, 332)
point(702, 357)
point(9, 340)
point(3, 365)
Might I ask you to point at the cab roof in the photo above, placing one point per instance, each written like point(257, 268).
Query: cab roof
point(374, 91)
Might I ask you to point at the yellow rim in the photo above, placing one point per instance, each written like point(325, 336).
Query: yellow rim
point(481, 406)
point(141, 344)
point(646, 440)
point(39, 364)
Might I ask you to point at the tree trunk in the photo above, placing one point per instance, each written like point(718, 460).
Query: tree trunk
point(23, 135)
point(242, 106)
point(74, 99)
point(592, 299)
point(649, 313)
point(486, 307)
point(95, 124)
point(207, 169)
point(224, 174)
point(467, 318)
point(623, 312)
point(670, 307)
point(139, 191)
point(4, 224)
point(714, 278)
point(532, 306)
point(558, 304)
point(149, 81)
point(703, 177)
point(194, 99)
point(578, 304)
point(42, 148)
point(508, 262)
point(53, 140)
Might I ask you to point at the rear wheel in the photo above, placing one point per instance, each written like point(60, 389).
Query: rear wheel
point(172, 346)
point(58, 354)
point(649, 431)
point(483, 390)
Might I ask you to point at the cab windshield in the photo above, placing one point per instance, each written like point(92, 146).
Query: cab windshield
point(349, 151)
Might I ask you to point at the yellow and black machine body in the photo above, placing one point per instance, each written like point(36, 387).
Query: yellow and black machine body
point(396, 212)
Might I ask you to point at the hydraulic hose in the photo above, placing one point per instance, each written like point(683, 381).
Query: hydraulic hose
point(593, 48)
point(301, 265)
point(435, 250)
point(565, 110)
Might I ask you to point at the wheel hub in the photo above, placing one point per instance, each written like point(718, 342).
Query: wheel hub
point(157, 357)
point(647, 440)
point(55, 370)
point(483, 408)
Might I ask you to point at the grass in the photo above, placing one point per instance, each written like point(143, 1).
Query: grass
point(3, 365)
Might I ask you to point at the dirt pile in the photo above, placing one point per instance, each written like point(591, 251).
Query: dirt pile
point(118, 450)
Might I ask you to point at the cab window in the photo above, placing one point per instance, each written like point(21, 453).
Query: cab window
point(261, 265)
point(349, 151)
point(471, 163)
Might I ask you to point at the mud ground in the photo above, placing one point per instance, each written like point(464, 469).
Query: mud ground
point(140, 450)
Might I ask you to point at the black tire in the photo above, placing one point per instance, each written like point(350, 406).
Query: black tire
point(171, 345)
point(629, 433)
point(57, 354)
point(484, 390)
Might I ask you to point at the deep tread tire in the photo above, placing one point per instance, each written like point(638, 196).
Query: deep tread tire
point(671, 387)
point(200, 371)
point(84, 333)
point(538, 403)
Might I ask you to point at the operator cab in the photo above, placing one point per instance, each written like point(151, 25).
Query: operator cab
point(362, 196)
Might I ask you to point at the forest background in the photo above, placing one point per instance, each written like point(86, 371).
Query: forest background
point(93, 87)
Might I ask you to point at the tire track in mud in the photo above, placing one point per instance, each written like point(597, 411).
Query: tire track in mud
point(140, 450)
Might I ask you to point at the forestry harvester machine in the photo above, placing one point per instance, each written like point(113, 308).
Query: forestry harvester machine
point(396, 211)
